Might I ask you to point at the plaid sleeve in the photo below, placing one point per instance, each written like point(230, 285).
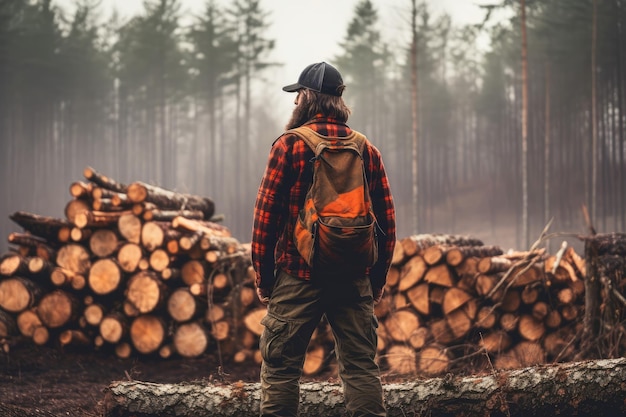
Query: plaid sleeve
point(382, 203)
point(269, 212)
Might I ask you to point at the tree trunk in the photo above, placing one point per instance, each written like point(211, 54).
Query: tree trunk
point(18, 294)
point(147, 332)
point(146, 292)
point(13, 264)
point(168, 215)
point(576, 388)
point(129, 226)
point(57, 308)
point(36, 244)
point(525, 222)
point(94, 218)
point(416, 243)
point(103, 242)
point(74, 257)
point(42, 226)
point(139, 192)
point(456, 255)
point(414, 121)
point(104, 276)
point(182, 305)
point(191, 339)
point(128, 256)
point(104, 181)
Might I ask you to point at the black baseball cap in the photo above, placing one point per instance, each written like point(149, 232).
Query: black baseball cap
point(320, 77)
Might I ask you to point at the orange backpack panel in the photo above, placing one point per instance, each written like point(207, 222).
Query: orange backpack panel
point(336, 228)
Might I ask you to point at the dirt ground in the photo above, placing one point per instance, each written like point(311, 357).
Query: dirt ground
point(45, 381)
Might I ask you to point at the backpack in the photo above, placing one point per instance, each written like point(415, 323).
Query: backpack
point(336, 228)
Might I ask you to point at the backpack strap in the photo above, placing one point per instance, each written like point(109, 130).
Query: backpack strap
point(318, 142)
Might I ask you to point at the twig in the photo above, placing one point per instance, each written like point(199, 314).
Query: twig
point(528, 257)
point(559, 256)
point(592, 230)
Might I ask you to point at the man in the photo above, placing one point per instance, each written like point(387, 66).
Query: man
point(297, 300)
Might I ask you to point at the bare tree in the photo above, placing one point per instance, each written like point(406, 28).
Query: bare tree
point(525, 223)
point(594, 111)
point(414, 119)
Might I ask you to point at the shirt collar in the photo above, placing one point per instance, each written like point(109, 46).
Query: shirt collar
point(320, 118)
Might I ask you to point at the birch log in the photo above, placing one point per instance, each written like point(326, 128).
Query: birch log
point(575, 388)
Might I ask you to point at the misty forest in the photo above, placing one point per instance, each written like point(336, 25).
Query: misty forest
point(492, 142)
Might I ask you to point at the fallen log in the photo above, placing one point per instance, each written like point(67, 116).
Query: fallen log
point(576, 388)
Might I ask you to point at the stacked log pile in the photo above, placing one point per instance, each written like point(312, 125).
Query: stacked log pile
point(454, 303)
point(131, 268)
point(137, 269)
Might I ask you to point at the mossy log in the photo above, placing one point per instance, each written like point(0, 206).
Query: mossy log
point(590, 388)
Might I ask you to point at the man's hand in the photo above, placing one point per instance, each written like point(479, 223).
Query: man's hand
point(378, 294)
point(264, 295)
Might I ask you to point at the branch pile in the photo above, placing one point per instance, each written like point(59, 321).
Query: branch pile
point(605, 315)
point(131, 268)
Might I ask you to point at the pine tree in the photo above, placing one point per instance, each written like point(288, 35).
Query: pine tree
point(362, 63)
point(151, 75)
point(212, 60)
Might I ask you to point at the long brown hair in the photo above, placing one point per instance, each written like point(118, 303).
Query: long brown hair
point(312, 103)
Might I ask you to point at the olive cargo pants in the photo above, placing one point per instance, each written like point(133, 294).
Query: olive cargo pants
point(295, 309)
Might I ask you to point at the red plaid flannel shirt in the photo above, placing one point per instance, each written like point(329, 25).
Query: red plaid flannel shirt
point(282, 192)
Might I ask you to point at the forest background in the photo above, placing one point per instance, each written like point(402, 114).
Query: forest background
point(192, 103)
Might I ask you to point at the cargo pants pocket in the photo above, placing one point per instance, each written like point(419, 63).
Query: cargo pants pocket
point(272, 341)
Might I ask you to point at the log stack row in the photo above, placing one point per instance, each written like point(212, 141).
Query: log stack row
point(139, 269)
point(453, 303)
point(131, 268)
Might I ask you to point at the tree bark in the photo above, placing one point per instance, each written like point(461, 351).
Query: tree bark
point(42, 226)
point(104, 181)
point(36, 244)
point(576, 388)
point(168, 200)
point(416, 243)
point(168, 215)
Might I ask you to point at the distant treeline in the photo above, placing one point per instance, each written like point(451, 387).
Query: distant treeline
point(175, 102)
